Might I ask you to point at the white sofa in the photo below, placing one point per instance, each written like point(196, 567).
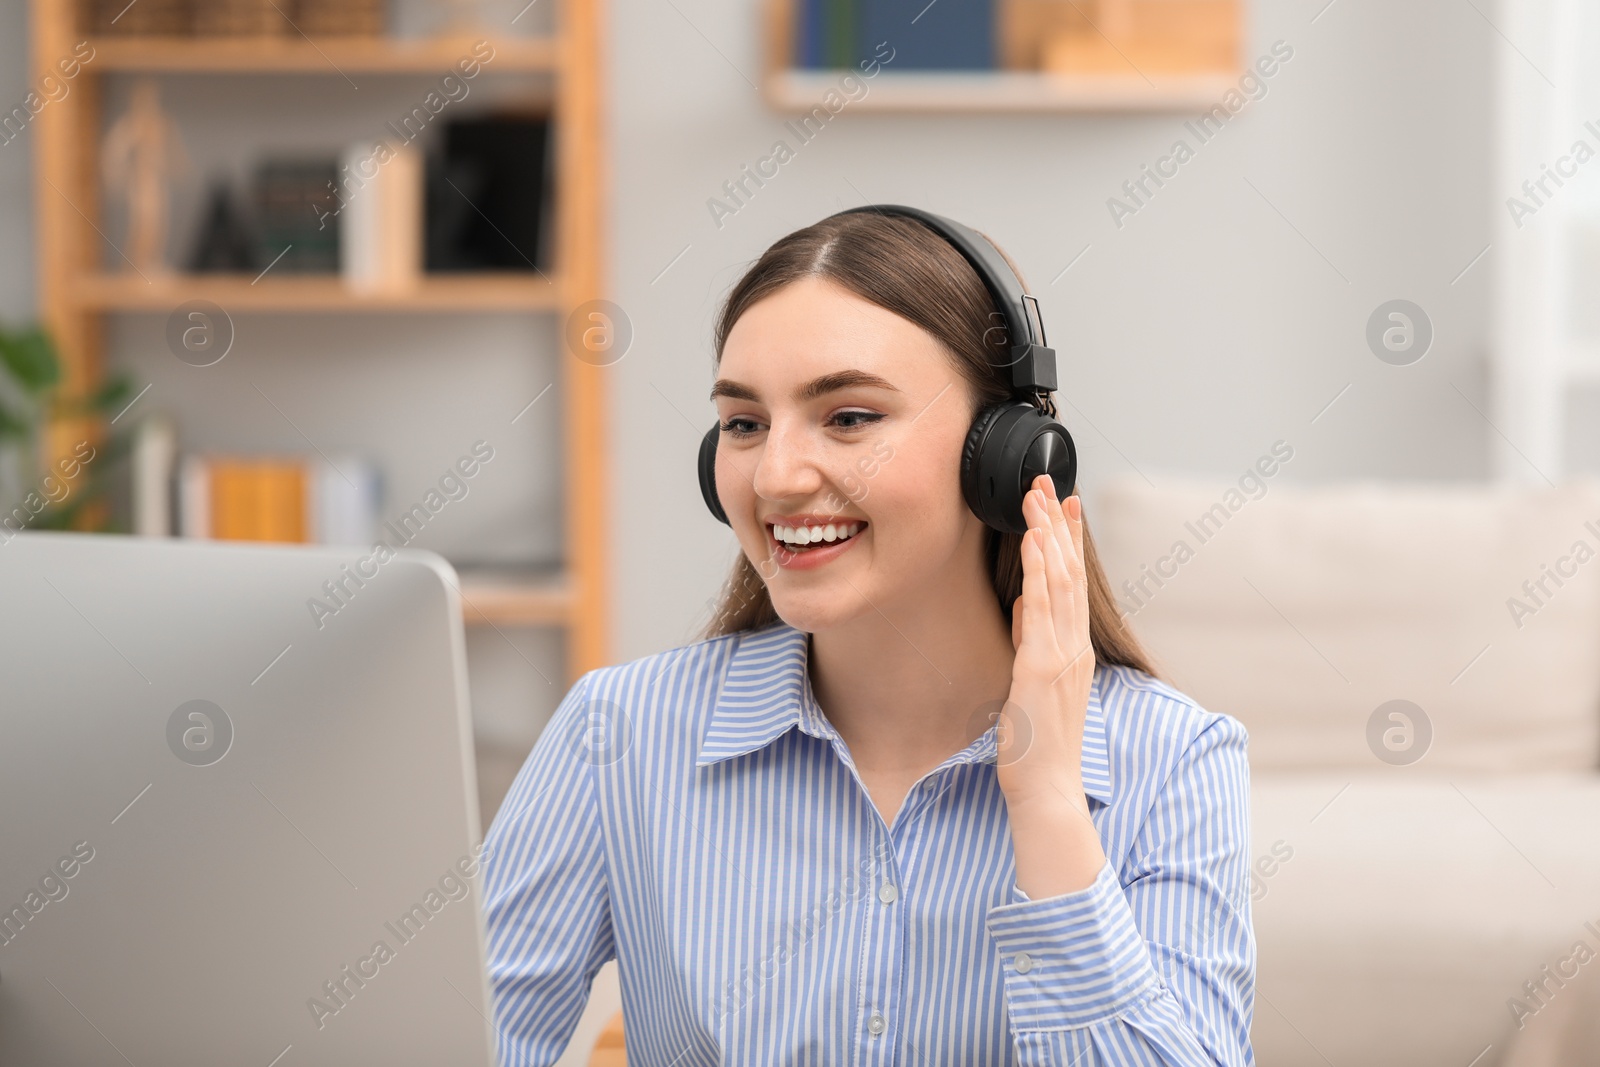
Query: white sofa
point(1401, 903)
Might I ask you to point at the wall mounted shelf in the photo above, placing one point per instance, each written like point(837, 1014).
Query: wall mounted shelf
point(983, 92)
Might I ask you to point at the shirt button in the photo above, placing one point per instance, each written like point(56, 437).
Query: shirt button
point(888, 893)
point(876, 1024)
point(1024, 963)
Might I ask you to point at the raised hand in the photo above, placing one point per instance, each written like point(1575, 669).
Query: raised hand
point(1040, 750)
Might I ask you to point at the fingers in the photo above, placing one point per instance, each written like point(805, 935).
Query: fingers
point(1072, 514)
point(1067, 529)
point(1066, 579)
point(1059, 579)
point(1038, 626)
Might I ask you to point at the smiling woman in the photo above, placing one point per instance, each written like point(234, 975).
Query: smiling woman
point(915, 795)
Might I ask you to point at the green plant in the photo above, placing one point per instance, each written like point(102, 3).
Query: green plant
point(30, 379)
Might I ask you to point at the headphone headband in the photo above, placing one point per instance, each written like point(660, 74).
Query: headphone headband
point(1033, 365)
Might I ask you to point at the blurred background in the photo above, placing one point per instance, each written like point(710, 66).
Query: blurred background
point(1320, 275)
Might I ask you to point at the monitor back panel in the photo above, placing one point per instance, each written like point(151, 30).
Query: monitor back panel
point(236, 827)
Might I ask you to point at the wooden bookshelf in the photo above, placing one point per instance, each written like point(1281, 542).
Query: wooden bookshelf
point(516, 596)
point(76, 292)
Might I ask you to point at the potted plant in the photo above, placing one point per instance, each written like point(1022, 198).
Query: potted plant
point(30, 494)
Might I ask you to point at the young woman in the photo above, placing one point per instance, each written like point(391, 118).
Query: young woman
point(917, 797)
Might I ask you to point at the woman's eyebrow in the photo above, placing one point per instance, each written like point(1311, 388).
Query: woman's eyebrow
point(827, 383)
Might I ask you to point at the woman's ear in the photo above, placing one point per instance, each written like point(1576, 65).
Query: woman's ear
point(1016, 624)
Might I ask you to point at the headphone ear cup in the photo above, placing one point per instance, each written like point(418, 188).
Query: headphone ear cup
point(708, 473)
point(973, 486)
point(1008, 446)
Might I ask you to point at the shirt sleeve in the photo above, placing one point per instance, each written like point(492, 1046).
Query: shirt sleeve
point(1156, 968)
point(546, 896)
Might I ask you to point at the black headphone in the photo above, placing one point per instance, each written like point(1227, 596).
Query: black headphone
point(1010, 443)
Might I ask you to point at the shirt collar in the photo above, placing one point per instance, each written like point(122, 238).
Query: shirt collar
point(767, 691)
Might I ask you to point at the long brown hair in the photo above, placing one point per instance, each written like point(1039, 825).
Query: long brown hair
point(901, 265)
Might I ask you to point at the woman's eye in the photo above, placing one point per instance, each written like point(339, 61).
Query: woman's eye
point(845, 420)
point(866, 419)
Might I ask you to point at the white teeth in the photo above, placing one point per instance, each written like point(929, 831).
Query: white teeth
point(805, 535)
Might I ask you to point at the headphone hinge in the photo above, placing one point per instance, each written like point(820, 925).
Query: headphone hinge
point(1034, 369)
point(1031, 314)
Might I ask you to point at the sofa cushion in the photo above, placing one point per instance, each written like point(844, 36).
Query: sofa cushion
point(1300, 610)
point(1400, 918)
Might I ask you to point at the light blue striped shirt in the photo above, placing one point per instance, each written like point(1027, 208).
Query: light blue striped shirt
point(695, 816)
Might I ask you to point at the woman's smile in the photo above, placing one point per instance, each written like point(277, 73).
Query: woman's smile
point(805, 546)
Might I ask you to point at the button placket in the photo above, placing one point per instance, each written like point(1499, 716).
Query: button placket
point(882, 959)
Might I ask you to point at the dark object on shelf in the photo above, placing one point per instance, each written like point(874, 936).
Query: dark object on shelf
point(957, 36)
point(330, 18)
point(145, 18)
point(225, 241)
point(450, 189)
point(485, 195)
point(297, 216)
point(237, 18)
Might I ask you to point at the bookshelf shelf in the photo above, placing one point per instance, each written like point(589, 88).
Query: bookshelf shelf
point(312, 292)
point(515, 597)
point(327, 55)
point(979, 92)
point(76, 292)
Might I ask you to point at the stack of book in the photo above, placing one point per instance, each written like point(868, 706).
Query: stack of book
point(292, 498)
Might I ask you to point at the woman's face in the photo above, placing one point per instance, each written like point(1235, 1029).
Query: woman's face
point(842, 413)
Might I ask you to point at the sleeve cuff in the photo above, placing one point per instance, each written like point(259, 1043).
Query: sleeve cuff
point(1073, 959)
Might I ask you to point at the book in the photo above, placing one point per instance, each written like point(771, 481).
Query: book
point(345, 496)
point(155, 450)
point(380, 226)
point(194, 498)
point(826, 34)
point(486, 194)
point(297, 205)
point(810, 33)
point(840, 36)
point(950, 35)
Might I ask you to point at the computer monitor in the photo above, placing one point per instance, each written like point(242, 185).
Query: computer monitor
point(238, 813)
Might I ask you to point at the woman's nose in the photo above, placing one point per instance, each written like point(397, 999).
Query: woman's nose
point(787, 466)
